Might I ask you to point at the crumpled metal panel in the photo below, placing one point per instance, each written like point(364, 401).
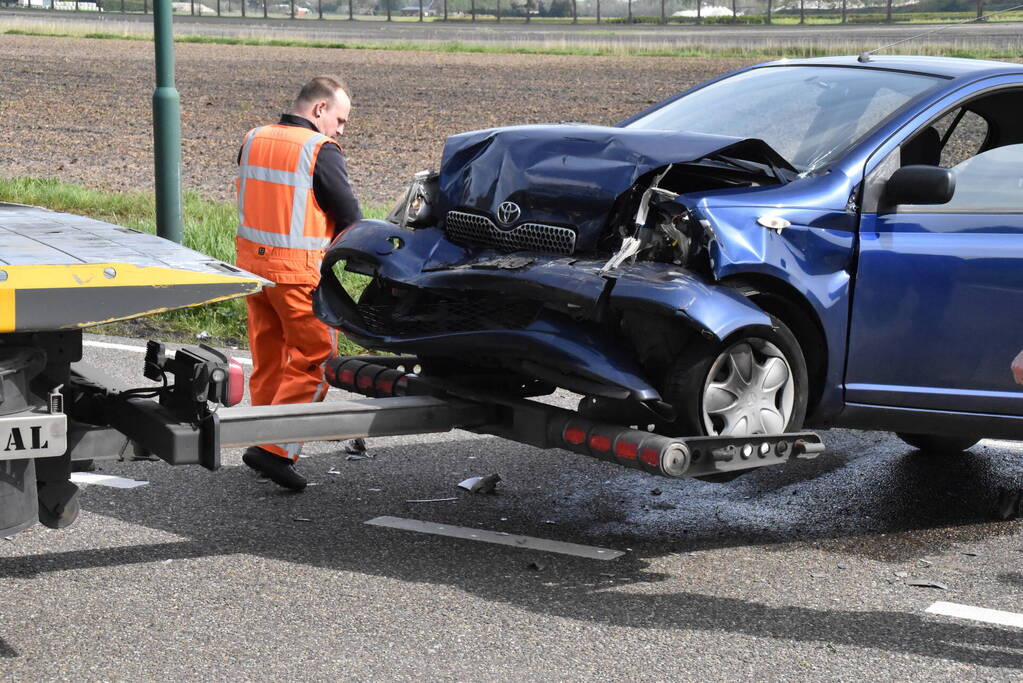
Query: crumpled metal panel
point(569, 174)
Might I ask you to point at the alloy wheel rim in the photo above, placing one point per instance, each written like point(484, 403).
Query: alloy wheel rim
point(750, 389)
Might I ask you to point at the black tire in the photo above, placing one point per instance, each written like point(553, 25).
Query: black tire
point(688, 378)
point(936, 444)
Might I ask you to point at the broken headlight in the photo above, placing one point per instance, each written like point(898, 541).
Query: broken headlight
point(673, 237)
point(415, 208)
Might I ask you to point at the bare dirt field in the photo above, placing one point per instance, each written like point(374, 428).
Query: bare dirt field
point(79, 109)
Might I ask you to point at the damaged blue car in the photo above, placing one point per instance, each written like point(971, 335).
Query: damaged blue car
point(825, 242)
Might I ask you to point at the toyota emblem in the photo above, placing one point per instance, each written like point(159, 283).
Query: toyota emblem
point(508, 213)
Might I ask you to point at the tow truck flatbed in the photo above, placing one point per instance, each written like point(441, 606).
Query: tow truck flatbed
point(60, 271)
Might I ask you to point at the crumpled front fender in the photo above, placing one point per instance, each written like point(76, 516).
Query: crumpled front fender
point(670, 290)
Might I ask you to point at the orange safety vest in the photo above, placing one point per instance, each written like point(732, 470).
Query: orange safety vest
point(282, 230)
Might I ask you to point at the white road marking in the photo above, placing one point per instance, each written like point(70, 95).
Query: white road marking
point(106, 480)
point(139, 349)
point(497, 537)
point(991, 616)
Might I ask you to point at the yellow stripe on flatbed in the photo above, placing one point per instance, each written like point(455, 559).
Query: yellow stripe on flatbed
point(6, 310)
point(62, 271)
point(93, 275)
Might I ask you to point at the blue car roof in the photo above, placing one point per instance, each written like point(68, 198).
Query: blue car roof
point(949, 67)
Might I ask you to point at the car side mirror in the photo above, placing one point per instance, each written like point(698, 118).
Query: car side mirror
point(920, 185)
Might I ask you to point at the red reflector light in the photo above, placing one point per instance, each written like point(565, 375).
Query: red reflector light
point(385, 386)
point(235, 383)
point(651, 456)
point(600, 443)
point(574, 436)
point(347, 377)
point(365, 382)
point(627, 450)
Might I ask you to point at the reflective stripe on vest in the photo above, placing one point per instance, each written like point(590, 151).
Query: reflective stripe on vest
point(300, 180)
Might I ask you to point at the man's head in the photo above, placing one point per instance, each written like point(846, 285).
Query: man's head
point(326, 103)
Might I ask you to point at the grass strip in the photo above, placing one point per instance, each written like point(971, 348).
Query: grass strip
point(765, 52)
point(209, 228)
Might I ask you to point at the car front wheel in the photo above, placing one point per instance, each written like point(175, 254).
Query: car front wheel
point(754, 382)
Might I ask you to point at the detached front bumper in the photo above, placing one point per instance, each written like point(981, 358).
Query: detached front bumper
point(548, 317)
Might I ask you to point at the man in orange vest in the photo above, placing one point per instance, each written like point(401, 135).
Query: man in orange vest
point(293, 198)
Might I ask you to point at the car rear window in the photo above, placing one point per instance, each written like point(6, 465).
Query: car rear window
point(808, 114)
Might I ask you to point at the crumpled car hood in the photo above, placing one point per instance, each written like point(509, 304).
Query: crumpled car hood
point(570, 174)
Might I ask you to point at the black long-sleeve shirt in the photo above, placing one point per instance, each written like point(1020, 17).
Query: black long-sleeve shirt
point(331, 187)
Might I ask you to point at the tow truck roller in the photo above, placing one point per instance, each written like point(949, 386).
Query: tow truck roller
point(56, 410)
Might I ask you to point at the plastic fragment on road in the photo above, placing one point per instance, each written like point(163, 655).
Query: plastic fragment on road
point(498, 538)
point(301, 519)
point(356, 449)
point(354, 446)
point(333, 470)
point(430, 500)
point(486, 484)
point(923, 583)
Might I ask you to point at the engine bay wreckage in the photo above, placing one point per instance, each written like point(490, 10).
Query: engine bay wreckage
point(575, 256)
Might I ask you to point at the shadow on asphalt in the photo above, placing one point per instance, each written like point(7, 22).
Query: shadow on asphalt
point(6, 651)
point(1014, 579)
point(893, 507)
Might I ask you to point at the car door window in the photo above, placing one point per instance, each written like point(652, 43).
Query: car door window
point(964, 133)
point(966, 138)
point(989, 182)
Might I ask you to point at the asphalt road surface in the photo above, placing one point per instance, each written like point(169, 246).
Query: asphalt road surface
point(797, 573)
point(993, 36)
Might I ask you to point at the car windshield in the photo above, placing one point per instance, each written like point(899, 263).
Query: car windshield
point(808, 114)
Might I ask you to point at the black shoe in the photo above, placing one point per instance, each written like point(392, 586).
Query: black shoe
point(279, 470)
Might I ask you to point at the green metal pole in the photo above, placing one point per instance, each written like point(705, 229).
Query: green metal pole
point(166, 128)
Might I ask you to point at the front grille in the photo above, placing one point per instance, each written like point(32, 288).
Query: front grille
point(475, 229)
point(433, 314)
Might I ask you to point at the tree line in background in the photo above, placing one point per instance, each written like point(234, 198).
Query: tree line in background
point(616, 11)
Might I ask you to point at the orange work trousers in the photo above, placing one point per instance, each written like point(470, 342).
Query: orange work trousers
point(289, 348)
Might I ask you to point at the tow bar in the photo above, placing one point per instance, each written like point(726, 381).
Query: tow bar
point(545, 426)
point(400, 402)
